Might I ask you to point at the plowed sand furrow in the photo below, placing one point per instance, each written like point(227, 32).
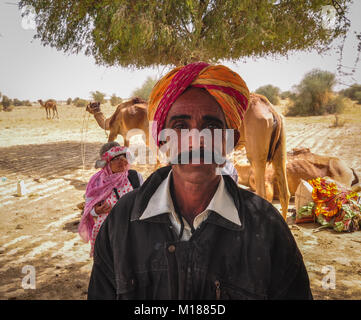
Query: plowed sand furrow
point(41, 192)
point(303, 140)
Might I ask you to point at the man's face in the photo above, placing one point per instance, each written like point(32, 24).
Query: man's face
point(195, 109)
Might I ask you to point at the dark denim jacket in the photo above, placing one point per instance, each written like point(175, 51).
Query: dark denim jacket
point(144, 259)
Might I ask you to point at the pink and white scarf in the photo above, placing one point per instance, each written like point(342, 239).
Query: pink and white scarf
point(99, 187)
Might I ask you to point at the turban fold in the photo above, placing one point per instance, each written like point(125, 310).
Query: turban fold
point(226, 86)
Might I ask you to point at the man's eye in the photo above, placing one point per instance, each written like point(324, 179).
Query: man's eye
point(180, 125)
point(213, 126)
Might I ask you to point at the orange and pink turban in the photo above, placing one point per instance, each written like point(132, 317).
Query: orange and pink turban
point(226, 86)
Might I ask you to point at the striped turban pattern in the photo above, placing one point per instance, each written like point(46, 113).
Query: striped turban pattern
point(226, 86)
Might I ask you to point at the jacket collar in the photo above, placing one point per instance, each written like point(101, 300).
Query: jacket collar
point(153, 201)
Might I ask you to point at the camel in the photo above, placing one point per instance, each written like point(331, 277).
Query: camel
point(263, 136)
point(49, 105)
point(129, 115)
point(301, 165)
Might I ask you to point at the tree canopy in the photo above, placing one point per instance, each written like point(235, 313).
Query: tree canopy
point(132, 33)
point(314, 95)
point(145, 90)
point(98, 96)
point(271, 92)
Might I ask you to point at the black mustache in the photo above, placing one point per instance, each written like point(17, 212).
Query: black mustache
point(199, 154)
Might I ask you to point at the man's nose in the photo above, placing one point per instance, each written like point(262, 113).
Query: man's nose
point(196, 140)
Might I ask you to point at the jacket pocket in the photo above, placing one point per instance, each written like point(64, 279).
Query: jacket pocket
point(224, 290)
point(134, 287)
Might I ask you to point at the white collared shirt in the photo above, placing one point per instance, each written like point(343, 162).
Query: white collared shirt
point(161, 202)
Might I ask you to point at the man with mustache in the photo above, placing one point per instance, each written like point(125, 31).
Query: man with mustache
point(189, 232)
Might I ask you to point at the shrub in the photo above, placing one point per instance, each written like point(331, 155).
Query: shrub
point(313, 94)
point(81, 103)
point(144, 91)
point(270, 92)
point(285, 94)
point(114, 100)
point(98, 96)
point(17, 102)
point(6, 102)
point(68, 101)
point(353, 92)
point(358, 97)
point(336, 105)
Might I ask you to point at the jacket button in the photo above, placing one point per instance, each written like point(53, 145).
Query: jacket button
point(171, 248)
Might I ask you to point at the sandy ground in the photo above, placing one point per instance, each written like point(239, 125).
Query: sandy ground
point(54, 158)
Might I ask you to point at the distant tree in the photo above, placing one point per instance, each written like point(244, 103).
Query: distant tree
point(353, 92)
point(81, 103)
point(114, 100)
point(286, 94)
point(27, 103)
point(358, 97)
point(313, 94)
point(6, 102)
point(17, 102)
point(98, 96)
point(270, 92)
point(68, 101)
point(145, 90)
point(75, 100)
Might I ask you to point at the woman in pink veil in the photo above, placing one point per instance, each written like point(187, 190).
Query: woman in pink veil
point(105, 188)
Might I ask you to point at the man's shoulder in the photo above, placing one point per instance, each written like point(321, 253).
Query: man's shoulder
point(256, 210)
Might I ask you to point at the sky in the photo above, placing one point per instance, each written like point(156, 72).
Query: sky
point(30, 71)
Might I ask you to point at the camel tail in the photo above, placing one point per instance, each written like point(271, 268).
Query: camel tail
point(276, 138)
point(355, 180)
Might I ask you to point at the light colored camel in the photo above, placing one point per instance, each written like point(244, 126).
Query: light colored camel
point(301, 165)
point(49, 105)
point(263, 136)
point(129, 115)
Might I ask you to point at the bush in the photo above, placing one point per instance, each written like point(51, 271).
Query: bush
point(17, 102)
point(68, 101)
point(358, 97)
point(114, 100)
point(81, 103)
point(98, 96)
point(336, 105)
point(270, 92)
point(6, 102)
point(354, 92)
point(313, 94)
point(144, 91)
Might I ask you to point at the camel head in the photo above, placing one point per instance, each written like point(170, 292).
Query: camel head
point(93, 107)
point(41, 102)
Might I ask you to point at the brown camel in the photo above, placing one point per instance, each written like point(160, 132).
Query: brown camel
point(263, 136)
point(49, 105)
point(301, 165)
point(129, 115)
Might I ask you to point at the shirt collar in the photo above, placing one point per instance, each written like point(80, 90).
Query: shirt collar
point(221, 203)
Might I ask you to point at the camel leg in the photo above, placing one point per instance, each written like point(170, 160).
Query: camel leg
point(279, 165)
point(113, 136)
point(260, 169)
